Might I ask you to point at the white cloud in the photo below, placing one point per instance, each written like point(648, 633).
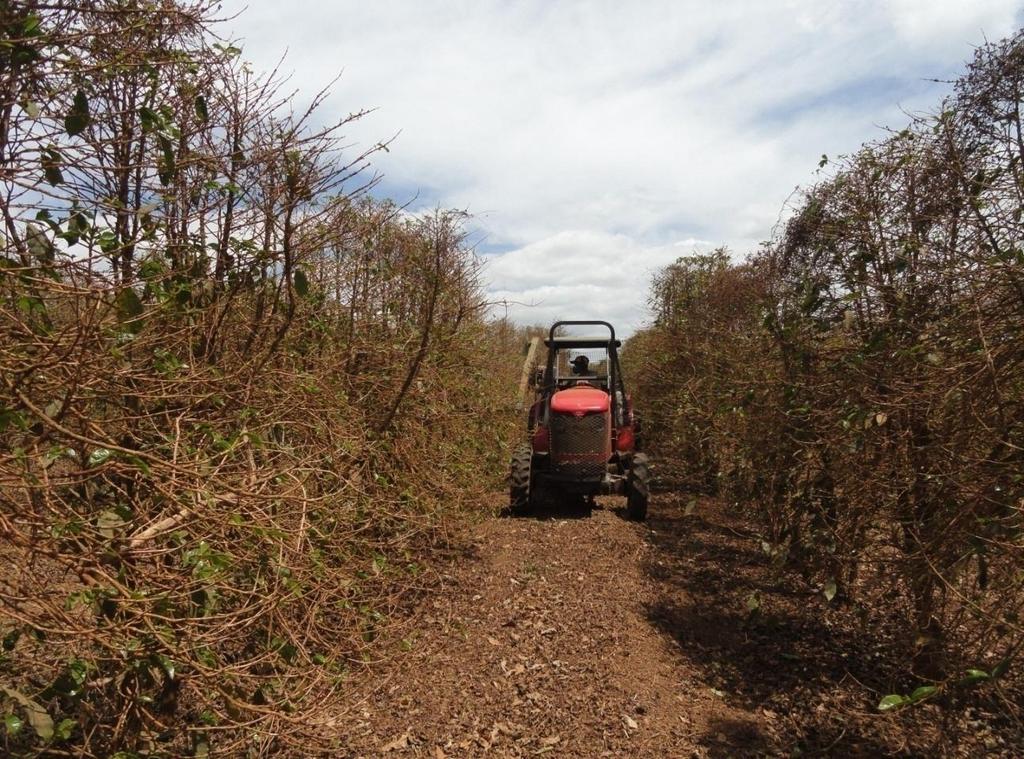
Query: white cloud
point(581, 275)
point(578, 128)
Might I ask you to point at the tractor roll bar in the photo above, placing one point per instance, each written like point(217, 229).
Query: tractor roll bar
point(556, 325)
point(614, 375)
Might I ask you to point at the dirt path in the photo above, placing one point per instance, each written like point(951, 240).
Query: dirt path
point(544, 645)
point(587, 636)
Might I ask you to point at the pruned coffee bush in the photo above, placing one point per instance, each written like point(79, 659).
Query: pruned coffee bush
point(857, 386)
point(239, 397)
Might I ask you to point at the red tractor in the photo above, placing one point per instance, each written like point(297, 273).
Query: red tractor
point(582, 432)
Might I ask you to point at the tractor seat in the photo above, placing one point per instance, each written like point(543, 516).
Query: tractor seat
point(566, 383)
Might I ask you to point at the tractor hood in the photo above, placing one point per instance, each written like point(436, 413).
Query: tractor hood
point(579, 401)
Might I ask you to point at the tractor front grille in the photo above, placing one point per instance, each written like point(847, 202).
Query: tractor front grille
point(579, 445)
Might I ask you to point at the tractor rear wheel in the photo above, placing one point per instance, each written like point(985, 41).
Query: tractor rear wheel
point(519, 481)
point(638, 487)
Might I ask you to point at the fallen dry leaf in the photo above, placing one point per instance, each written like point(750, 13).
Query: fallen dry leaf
point(399, 743)
point(561, 680)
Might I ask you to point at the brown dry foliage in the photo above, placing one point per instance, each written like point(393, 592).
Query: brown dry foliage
point(858, 385)
point(240, 400)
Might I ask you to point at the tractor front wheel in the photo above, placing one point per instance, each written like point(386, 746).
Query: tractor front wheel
point(638, 488)
point(519, 481)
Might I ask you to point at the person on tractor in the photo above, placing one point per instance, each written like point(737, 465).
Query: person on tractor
point(580, 365)
point(581, 368)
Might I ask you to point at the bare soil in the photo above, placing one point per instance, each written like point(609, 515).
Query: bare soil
point(585, 635)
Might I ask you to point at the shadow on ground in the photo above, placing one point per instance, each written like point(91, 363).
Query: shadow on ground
point(807, 673)
point(559, 507)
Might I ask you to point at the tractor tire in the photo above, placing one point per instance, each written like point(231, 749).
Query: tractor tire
point(638, 488)
point(519, 481)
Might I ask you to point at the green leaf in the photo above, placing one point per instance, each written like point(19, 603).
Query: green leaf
point(301, 282)
point(11, 639)
point(37, 716)
point(46, 217)
point(107, 241)
point(1001, 668)
point(150, 119)
point(167, 665)
point(23, 54)
point(891, 702)
point(167, 167)
point(10, 417)
point(201, 110)
point(139, 464)
point(152, 269)
point(286, 649)
point(923, 692)
point(228, 50)
point(830, 589)
point(974, 676)
point(129, 306)
point(13, 724)
point(753, 602)
point(30, 26)
point(78, 117)
point(64, 729)
point(51, 161)
point(78, 224)
point(98, 456)
point(71, 680)
point(32, 109)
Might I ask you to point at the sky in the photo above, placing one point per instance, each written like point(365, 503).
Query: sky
point(595, 142)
